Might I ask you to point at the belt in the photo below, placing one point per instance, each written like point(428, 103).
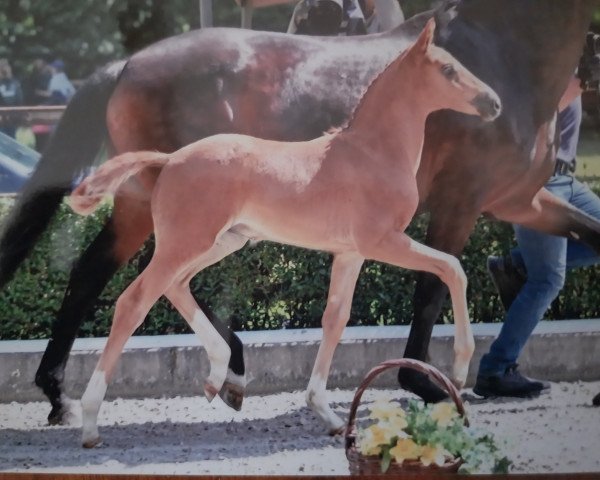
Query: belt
point(563, 167)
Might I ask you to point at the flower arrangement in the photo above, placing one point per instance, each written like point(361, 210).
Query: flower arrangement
point(430, 435)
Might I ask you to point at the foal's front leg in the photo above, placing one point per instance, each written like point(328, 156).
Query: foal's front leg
point(344, 273)
point(400, 250)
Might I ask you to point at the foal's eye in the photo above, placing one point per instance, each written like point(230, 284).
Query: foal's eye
point(449, 71)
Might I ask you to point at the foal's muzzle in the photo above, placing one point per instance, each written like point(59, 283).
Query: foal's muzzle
point(488, 106)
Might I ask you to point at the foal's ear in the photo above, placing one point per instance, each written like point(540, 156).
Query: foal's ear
point(426, 37)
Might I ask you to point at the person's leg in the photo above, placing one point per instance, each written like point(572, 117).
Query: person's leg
point(544, 258)
point(579, 254)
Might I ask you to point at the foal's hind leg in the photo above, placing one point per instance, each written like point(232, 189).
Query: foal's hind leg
point(344, 273)
point(222, 379)
point(400, 250)
point(132, 307)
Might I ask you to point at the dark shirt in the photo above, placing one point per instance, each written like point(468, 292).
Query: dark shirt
point(10, 92)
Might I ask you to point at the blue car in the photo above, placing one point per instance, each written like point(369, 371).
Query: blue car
point(17, 163)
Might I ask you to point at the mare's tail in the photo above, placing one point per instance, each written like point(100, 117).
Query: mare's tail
point(110, 176)
point(74, 145)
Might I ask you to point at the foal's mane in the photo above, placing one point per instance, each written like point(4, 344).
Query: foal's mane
point(367, 92)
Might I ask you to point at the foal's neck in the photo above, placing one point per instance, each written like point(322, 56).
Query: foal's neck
point(390, 118)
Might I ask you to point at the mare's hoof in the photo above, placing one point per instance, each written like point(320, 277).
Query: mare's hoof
point(596, 400)
point(55, 417)
point(232, 395)
point(63, 415)
point(210, 391)
point(91, 443)
point(419, 384)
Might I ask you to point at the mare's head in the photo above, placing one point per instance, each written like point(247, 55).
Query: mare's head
point(446, 84)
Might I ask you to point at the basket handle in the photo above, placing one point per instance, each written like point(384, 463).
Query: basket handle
point(433, 373)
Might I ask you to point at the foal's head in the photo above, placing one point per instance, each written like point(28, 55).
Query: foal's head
point(446, 83)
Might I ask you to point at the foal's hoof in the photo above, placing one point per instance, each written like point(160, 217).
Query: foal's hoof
point(335, 431)
point(458, 383)
point(210, 391)
point(92, 442)
point(232, 395)
point(420, 385)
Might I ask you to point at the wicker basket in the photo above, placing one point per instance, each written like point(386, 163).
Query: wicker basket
point(371, 465)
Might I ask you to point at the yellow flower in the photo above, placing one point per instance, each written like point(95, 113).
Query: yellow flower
point(443, 413)
point(373, 437)
point(433, 454)
point(385, 411)
point(405, 449)
point(397, 424)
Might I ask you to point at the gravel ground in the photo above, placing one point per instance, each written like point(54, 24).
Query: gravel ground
point(277, 434)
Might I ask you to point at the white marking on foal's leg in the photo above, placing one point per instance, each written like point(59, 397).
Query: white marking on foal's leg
point(90, 406)
point(70, 415)
point(217, 350)
point(316, 399)
point(464, 344)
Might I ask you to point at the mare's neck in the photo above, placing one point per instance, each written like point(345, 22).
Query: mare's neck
point(540, 40)
point(389, 121)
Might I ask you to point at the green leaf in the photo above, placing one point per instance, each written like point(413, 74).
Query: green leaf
point(386, 458)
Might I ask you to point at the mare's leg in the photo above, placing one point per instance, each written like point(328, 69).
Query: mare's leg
point(400, 250)
point(447, 233)
point(120, 238)
point(344, 273)
point(131, 309)
point(222, 379)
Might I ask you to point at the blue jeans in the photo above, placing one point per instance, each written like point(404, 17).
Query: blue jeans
point(546, 259)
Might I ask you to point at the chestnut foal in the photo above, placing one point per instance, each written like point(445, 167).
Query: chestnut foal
point(351, 193)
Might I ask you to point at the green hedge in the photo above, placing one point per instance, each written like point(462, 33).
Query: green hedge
point(266, 286)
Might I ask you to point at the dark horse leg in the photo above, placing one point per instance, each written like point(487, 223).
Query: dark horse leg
point(88, 278)
point(117, 242)
point(449, 234)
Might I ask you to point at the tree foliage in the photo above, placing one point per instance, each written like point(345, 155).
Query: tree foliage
point(88, 33)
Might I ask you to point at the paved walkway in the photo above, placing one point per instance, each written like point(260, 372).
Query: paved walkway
point(277, 434)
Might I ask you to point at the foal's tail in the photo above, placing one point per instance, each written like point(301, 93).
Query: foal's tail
point(110, 176)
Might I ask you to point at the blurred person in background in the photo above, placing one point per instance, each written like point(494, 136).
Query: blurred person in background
point(60, 89)
point(11, 94)
point(344, 17)
point(51, 86)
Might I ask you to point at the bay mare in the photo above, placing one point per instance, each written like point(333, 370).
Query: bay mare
point(284, 87)
point(351, 193)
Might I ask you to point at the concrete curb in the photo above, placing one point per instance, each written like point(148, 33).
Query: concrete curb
point(282, 360)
